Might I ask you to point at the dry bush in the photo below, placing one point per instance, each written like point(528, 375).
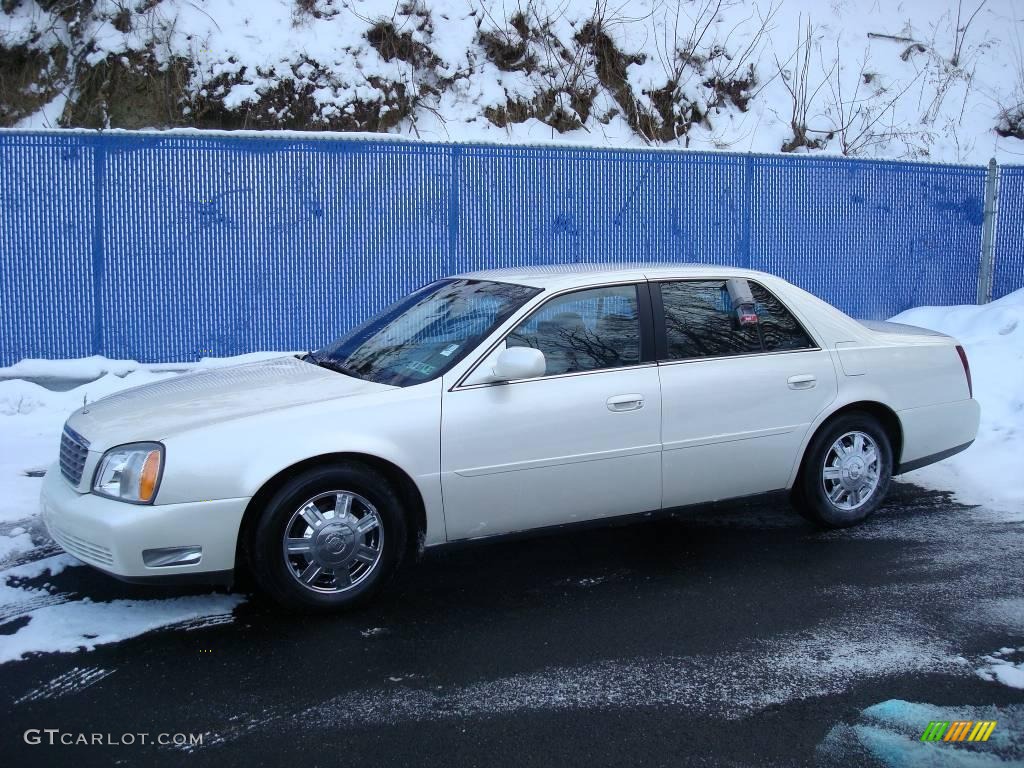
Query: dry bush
point(865, 117)
point(1011, 106)
point(803, 86)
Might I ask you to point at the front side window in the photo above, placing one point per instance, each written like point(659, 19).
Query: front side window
point(420, 337)
point(585, 330)
point(700, 322)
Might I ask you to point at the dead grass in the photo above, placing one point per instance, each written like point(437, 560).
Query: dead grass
point(29, 79)
point(129, 91)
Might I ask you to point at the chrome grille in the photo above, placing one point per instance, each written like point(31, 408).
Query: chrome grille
point(74, 449)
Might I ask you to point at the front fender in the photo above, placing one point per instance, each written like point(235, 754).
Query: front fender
point(235, 459)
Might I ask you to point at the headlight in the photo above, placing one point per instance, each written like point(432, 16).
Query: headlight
point(130, 472)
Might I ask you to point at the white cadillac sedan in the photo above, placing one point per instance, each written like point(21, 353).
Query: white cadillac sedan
point(504, 401)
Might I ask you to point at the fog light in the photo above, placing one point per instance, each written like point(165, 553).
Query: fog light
point(161, 558)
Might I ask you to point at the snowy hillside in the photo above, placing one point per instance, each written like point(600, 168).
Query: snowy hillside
point(914, 79)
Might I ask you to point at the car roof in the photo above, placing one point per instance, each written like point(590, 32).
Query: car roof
point(596, 273)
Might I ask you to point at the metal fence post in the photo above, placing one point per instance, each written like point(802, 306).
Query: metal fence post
point(454, 204)
point(748, 206)
point(986, 268)
point(99, 176)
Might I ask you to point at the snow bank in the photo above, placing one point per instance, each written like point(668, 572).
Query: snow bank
point(84, 368)
point(989, 472)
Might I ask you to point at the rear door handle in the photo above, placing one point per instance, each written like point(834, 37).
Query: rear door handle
point(625, 402)
point(802, 381)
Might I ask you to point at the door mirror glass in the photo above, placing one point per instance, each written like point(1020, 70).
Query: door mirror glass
point(519, 363)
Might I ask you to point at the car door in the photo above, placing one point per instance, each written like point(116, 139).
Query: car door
point(578, 443)
point(737, 397)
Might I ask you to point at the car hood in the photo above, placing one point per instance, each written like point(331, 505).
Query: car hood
point(161, 409)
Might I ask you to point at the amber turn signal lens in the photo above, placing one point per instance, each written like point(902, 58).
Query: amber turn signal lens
point(149, 475)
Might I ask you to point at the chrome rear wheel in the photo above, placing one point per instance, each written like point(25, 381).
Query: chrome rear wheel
point(845, 471)
point(850, 474)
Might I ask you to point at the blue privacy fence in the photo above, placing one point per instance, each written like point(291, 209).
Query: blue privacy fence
point(1008, 266)
point(164, 247)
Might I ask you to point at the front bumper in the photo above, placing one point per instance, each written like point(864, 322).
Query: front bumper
point(112, 535)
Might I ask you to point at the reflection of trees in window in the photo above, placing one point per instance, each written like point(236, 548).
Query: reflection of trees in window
point(698, 323)
point(412, 340)
point(584, 331)
point(779, 329)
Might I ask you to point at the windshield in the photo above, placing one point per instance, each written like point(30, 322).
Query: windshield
point(423, 335)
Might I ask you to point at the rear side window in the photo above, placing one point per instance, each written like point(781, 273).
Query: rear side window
point(700, 322)
point(584, 331)
point(780, 331)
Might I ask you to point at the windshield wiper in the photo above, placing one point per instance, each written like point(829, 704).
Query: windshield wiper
point(332, 365)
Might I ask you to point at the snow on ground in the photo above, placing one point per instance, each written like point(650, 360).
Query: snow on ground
point(913, 79)
point(989, 472)
point(1001, 668)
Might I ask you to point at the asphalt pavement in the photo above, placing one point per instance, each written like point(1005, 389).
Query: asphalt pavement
point(744, 637)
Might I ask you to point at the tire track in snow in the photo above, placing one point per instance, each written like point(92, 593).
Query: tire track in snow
point(71, 682)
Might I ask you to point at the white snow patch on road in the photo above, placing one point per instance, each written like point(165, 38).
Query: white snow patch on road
point(14, 544)
point(989, 472)
point(83, 624)
point(52, 566)
point(1001, 668)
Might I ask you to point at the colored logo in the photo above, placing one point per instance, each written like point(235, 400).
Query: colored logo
point(959, 730)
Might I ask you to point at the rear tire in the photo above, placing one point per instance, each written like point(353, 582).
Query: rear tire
point(845, 472)
point(329, 539)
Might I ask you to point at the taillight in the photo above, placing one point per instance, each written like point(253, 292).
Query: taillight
point(967, 369)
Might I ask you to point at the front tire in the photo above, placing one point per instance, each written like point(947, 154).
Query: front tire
point(845, 473)
point(329, 539)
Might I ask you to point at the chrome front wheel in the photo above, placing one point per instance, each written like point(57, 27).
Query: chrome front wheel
point(333, 542)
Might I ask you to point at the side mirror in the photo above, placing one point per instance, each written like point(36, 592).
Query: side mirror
point(519, 363)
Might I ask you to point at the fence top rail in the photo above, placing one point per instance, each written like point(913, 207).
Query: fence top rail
point(214, 138)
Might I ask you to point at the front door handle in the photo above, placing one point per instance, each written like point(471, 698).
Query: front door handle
point(802, 381)
point(625, 402)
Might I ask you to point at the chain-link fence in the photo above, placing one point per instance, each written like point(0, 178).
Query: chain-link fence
point(163, 247)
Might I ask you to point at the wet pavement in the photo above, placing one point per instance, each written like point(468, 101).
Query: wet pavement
point(744, 637)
